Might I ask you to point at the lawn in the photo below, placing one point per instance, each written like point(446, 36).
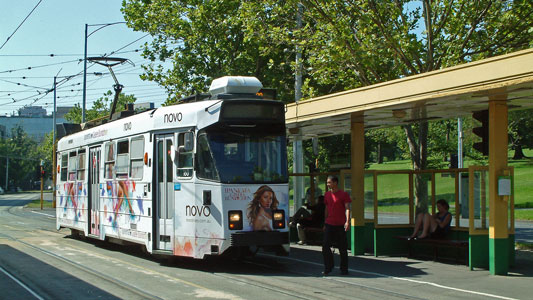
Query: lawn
point(37, 204)
point(393, 189)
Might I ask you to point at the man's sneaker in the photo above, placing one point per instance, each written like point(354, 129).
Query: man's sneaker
point(326, 273)
point(301, 243)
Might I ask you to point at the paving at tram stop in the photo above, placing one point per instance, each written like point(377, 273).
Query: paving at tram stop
point(483, 229)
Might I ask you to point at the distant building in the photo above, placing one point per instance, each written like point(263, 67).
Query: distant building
point(33, 121)
point(61, 111)
point(32, 111)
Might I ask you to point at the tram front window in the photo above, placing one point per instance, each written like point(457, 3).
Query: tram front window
point(242, 156)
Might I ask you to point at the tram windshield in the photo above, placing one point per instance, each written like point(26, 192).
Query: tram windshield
point(242, 155)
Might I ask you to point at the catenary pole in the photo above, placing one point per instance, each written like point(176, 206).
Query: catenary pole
point(84, 77)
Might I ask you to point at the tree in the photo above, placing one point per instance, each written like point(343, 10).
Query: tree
point(24, 159)
point(520, 132)
point(204, 40)
point(348, 44)
point(101, 107)
point(345, 44)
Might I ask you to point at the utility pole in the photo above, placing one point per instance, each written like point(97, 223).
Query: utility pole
point(54, 157)
point(84, 77)
point(297, 149)
point(7, 172)
point(42, 165)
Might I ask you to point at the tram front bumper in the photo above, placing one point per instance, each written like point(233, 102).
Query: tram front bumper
point(259, 238)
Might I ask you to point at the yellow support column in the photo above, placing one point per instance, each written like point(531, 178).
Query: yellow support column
point(498, 229)
point(358, 184)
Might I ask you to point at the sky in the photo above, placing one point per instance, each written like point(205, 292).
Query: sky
point(57, 27)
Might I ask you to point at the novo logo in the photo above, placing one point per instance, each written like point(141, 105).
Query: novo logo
point(173, 117)
point(196, 210)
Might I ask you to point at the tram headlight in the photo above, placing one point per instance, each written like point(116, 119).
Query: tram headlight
point(278, 219)
point(235, 220)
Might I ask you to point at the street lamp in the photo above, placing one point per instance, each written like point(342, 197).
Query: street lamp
point(101, 26)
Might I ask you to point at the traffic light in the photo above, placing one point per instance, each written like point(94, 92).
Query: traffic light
point(483, 131)
point(454, 161)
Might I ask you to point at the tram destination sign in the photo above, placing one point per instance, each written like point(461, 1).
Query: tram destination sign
point(255, 110)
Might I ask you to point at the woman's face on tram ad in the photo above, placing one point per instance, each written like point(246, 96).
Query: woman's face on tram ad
point(266, 199)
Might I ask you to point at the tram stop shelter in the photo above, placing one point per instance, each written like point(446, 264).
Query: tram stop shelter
point(483, 212)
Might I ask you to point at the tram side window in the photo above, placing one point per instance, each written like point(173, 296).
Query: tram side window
point(81, 164)
point(136, 160)
point(64, 166)
point(109, 160)
point(123, 159)
point(206, 166)
point(72, 161)
point(184, 159)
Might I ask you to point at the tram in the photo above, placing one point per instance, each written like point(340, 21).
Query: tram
point(195, 179)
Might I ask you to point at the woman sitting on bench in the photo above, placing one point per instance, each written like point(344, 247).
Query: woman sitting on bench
point(435, 226)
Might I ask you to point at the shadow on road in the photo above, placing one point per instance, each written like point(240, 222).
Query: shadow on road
point(46, 280)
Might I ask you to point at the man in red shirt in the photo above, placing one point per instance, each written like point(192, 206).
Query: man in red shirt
point(337, 223)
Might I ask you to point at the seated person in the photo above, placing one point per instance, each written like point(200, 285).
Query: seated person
point(435, 226)
point(304, 219)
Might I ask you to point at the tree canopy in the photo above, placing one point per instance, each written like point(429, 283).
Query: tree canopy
point(101, 107)
point(344, 44)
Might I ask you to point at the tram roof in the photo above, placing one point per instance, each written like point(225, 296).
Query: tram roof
point(442, 94)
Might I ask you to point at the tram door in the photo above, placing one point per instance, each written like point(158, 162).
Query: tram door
point(164, 234)
point(94, 195)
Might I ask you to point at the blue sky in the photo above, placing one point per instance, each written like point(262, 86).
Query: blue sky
point(58, 27)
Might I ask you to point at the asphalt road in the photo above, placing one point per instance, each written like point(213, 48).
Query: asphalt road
point(38, 262)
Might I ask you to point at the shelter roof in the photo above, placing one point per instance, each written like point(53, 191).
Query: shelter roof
point(442, 94)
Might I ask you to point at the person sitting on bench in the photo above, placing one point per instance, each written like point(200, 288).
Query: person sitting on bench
point(302, 218)
point(434, 226)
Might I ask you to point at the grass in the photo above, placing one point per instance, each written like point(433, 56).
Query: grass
point(523, 246)
point(37, 204)
point(393, 191)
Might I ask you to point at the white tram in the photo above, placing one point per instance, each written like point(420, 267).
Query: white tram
point(195, 179)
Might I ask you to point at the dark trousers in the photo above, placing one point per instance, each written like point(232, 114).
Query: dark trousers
point(335, 235)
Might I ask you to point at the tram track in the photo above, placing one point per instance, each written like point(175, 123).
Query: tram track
point(311, 293)
point(21, 284)
point(378, 291)
point(236, 278)
point(118, 283)
point(260, 274)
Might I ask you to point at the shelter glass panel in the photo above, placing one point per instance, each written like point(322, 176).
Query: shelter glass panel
point(481, 200)
point(445, 190)
point(422, 190)
point(393, 198)
point(369, 196)
point(463, 212)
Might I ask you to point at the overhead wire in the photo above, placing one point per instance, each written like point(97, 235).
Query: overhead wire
point(9, 37)
point(59, 86)
point(64, 54)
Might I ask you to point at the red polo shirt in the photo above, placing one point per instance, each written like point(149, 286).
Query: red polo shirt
point(335, 206)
